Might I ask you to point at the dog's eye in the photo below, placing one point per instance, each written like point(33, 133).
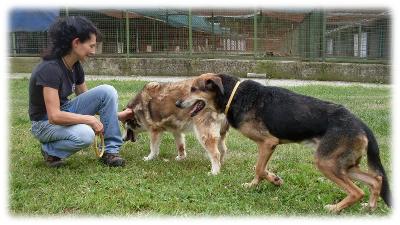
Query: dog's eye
point(193, 89)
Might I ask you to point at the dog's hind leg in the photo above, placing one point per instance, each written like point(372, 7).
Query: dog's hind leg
point(338, 157)
point(211, 144)
point(209, 140)
point(330, 168)
point(221, 142)
point(222, 148)
point(155, 138)
point(375, 183)
point(180, 145)
point(360, 145)
point(265, 150)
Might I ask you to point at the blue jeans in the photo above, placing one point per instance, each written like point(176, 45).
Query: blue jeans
point(63, 141)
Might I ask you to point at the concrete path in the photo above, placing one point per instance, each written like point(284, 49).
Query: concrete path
point(271, 82)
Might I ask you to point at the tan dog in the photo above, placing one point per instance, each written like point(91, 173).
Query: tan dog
point(155, 111)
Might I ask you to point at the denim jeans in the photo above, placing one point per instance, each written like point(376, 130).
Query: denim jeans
point(63, 141)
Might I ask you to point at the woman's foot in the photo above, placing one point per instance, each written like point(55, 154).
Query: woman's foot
point(112, 159)
point(52, 161)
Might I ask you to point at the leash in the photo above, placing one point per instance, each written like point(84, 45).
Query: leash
point(99, 152)
point(231, 97)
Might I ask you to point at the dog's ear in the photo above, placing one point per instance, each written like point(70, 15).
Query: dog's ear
point(215, 81)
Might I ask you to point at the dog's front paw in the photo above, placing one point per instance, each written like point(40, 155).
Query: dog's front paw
point(274, 179)
point(332, 208)
point(248, 185)
point(368, 207)
point(215, 168)
point(180, 157)
point(253, 183)
point(213, 173)
point(149, 157)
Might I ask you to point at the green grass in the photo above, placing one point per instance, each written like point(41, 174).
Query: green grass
point(167, 187)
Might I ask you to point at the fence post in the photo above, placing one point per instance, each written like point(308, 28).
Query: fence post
point(166, 34)
point(152, 36)
point(212, 32)
point(255, 34)
point(309, 36)
point(339, 41)
point(323, 18)
point(381, 41)
point(263, 35)
point(14, 48)
point(127, 33)
point(359, 41)
point(190, 33)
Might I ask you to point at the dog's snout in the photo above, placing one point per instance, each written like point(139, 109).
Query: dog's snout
point(179, 103)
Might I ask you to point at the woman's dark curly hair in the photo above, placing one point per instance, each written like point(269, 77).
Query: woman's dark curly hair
point(63, 31)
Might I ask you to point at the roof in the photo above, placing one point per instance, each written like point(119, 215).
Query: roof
point(29, 20)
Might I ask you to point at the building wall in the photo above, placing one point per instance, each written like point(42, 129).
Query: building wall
point(373, 73)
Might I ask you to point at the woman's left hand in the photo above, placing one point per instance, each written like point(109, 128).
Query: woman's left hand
point(125, 115)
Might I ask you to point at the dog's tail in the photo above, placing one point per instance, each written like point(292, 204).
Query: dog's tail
point(374, 163)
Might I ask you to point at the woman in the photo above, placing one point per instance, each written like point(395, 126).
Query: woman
point(65, 126)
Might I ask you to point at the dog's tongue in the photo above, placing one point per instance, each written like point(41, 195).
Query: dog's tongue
point(194, 109)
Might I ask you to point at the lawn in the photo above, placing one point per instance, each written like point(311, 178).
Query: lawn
point(167, 187)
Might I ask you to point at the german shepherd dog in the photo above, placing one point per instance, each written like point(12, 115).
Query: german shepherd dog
point(154, 111)
point(271, 116)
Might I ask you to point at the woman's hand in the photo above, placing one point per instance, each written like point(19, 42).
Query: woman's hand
point(125, 115)
point(95, 123)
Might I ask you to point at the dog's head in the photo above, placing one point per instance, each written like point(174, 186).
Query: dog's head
point(132, 127)
point(129, 133)
point(202, 93)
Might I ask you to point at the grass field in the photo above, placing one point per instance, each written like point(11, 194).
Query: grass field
point(167, 187)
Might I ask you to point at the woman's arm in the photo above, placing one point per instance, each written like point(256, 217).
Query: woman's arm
point(58, 117)
point(79, 89)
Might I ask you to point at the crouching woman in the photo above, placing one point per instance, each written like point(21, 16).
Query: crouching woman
point(63, 125)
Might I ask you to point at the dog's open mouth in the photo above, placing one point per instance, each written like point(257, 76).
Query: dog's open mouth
point(197, 107)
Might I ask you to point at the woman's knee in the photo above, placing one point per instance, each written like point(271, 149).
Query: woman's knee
point(85, 136)
point(108, 91)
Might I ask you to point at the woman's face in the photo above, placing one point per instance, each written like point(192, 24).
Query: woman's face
point(85, 49)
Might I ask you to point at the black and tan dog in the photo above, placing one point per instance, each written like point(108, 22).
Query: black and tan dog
point(154, 111)
point(271, 116)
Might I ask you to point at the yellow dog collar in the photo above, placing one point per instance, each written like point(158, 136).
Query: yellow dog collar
point(231, 97)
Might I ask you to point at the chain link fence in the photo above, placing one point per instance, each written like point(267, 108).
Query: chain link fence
point(306, 34)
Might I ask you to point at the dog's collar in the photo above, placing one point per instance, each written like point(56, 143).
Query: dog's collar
point(231, 97)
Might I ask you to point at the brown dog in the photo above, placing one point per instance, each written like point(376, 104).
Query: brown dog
point(271, 116)
point(155, 111)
